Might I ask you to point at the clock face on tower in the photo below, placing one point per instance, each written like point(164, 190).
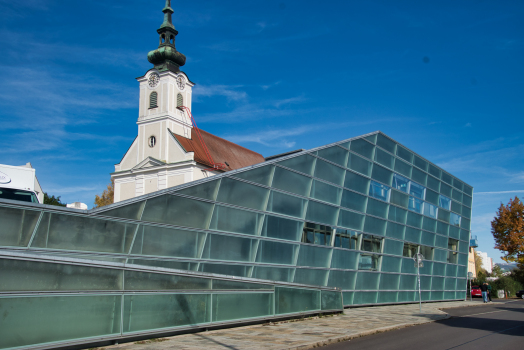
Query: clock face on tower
point(181, 83)
point(153, 80)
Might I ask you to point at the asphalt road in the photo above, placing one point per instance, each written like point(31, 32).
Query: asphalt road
point(499, 325)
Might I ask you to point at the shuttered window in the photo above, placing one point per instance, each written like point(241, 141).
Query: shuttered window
point(179, 100)
point(153, 100)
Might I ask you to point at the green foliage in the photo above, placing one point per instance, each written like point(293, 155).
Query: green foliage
point(53, 200)
point(496, 271)
point(507, 284)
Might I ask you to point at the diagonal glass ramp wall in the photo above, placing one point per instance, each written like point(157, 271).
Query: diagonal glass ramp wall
point(350, 215)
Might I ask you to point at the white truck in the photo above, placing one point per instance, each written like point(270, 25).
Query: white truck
point(20, 183)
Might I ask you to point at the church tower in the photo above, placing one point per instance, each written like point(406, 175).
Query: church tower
point(167, 152)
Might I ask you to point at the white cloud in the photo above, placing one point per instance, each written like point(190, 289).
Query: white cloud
point(220, 90)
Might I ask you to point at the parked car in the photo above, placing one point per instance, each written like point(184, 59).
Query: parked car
point(476, 292)
point(520, 294)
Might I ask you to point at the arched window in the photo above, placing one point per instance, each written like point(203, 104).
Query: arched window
point(153, 100)
point(179, 100)
point(171, 39)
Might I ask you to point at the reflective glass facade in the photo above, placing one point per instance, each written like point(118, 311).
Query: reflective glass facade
point(337, 225)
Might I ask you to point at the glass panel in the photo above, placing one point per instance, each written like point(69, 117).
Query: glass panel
point(179, 211)
point(229, 248)
point(346, 239)
point(235, 220)
point(314, 256)
point(379, 191)
point(291, 182)
point(131, 211)
point(377, 208)
point(406, 296)
point(356, 182)
point(395, 230)
point(367, 281)
point(446, 178)
point(371, 244)
point(457, 195)
point(351, 220)
point(412, 235)
point(404, 154)
point(454, 232)
point(276, 253)
point(359, 164)
point(20, 275)
point(421, 163)
point(17, 226)
point(427, 252)
point(241, 306)
point(143, 312)
point(225, 269)
point(57, 231)
point(386, 143)
point(430, 210)
point(399, 198)
point(432, 197)
point(429, 224)
point(428, 238)
point(382, 174)
point(177, 265)
point(361, 298)
point(374, 225)
point(416, 190)
point(419, 176)
point(442, 228)
point(464, 235)
point(441, 241)
point(400, 183)
point(454, 219)
point(397, 214)
point(408, 266)
point(439, 269)
point(347, 298)
point(384, 158)
point(242, 194)
point(390, 264)
point(291, 300)
point(163, 241)
point(304, 164)
point(433, 170)
point(136, 280)
point(362, 147)
point(415, 204)
point(393, 247)
point(466, 200)
point(272, 273)
point(285, 204)
point(281, 228)
point(321, 213)
point(261, 175)
point(372, 138)
point(343, 259)
point(466, 212)
point(457, 208)
point(443, 215)
point(352, 200)
point(468, 190)
point(324, 192)
point(440, 255)
point(41, 319)
point(206, 190)
point(433, 183)
point(334, 154)
point(445, 190)
point(389, 282)
point(403, 168)
point(368, 262)
point(342, 279)
point(414, 220)
point(329, 172)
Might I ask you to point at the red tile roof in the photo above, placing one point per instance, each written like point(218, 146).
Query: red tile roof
point(221, 151)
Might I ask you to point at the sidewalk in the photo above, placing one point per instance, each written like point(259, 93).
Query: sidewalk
point(304, 334)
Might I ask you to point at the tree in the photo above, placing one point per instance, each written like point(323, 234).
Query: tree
point(508, 230)
point(107, 197)
point(478, 265)
point(497, 271)
point(53, 200)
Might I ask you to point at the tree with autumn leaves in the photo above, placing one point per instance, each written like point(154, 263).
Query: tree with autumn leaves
point(107, 197)
point(508, 230)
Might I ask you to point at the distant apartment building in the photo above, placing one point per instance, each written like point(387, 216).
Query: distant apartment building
point(487, 262)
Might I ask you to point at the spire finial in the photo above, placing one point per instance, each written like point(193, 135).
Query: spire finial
point(168, 12)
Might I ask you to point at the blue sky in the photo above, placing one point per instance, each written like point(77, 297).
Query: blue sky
point(444, 78)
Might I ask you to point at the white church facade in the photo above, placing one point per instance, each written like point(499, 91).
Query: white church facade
point(168, 151)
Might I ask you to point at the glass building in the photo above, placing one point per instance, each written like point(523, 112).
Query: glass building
point(305, 233)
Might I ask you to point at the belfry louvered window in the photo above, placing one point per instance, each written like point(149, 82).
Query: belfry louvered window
point(179, 100)
point(153, 100)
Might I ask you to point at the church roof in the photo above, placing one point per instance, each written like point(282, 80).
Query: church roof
point(222, 151)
